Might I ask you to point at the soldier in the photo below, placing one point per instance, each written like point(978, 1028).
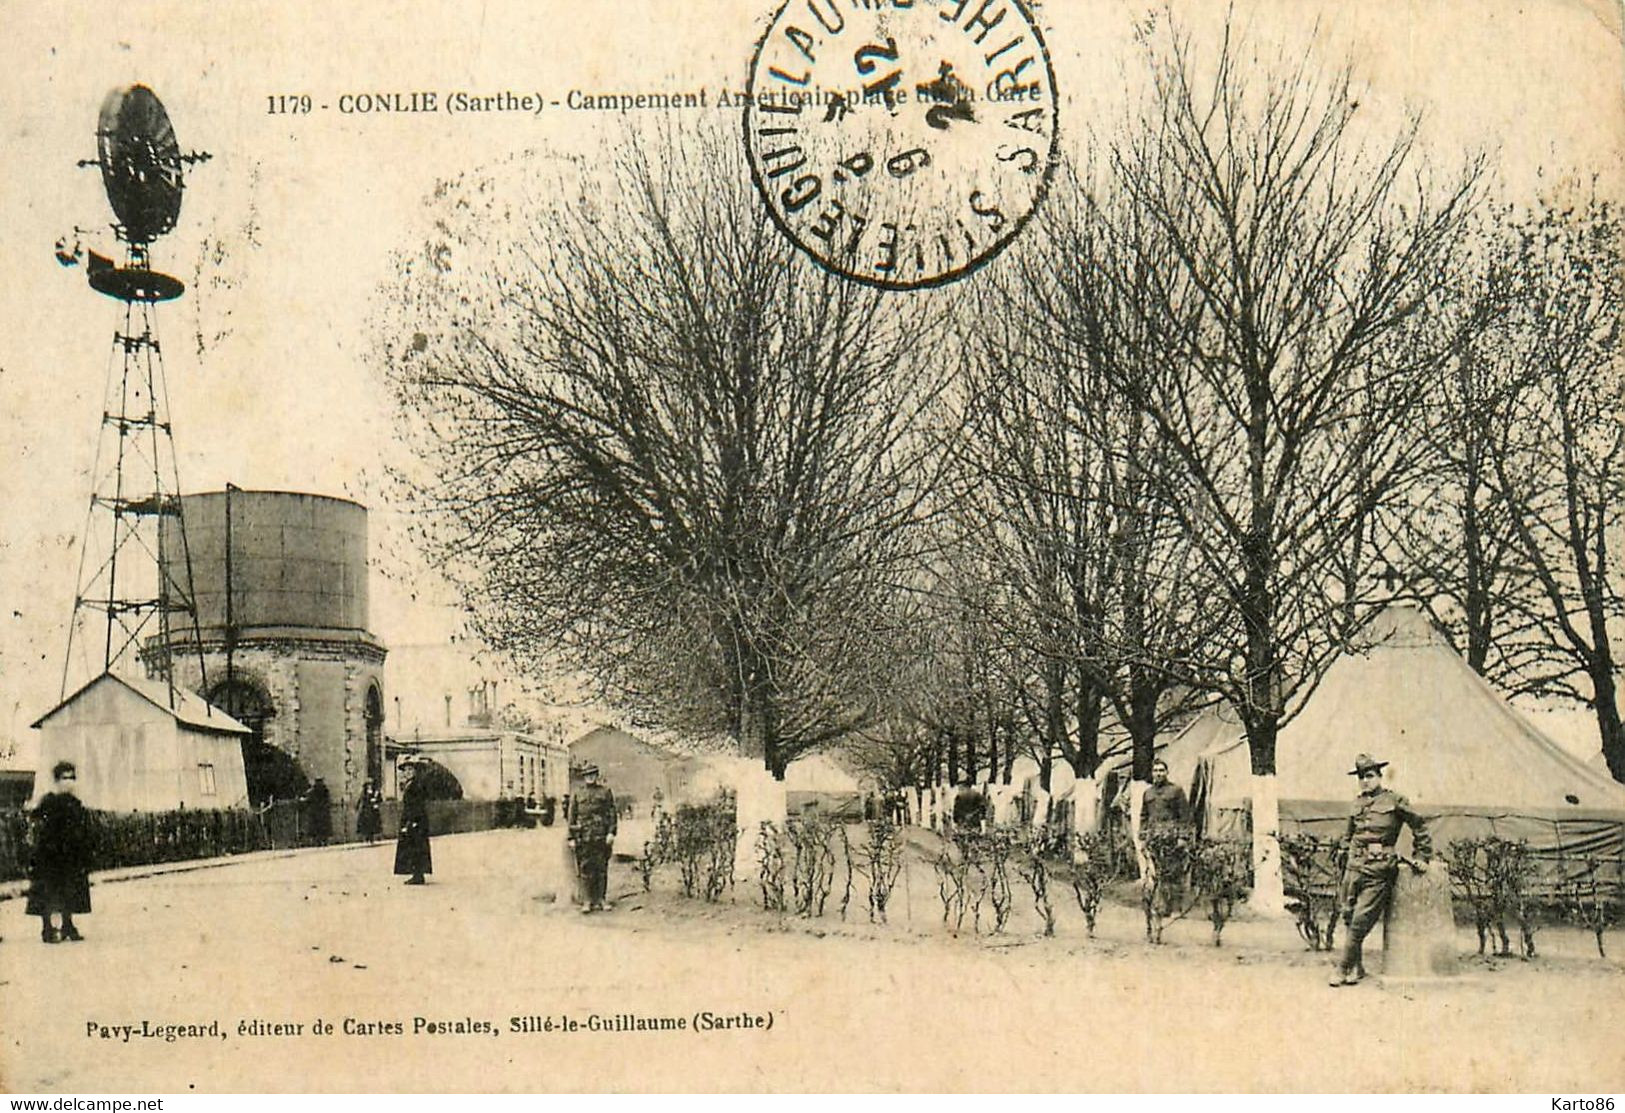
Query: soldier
point(1373, 863)
point(369, 813)
point(970, 809)
point(1164, 804)
point(1163, 809)
point(591, 835)
point(317, 808)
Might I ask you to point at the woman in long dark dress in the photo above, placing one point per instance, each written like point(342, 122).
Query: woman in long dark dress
point(369, 813)
point(60, 869)
point(412, 847)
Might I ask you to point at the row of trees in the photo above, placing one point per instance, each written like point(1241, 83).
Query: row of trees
point(1252, 370)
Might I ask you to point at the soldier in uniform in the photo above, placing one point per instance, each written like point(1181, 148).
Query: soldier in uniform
point(1163, 808)
point(369, 813)
point(970, 809)
point(1373, 863)
point(592, 831)
point(1164, 804)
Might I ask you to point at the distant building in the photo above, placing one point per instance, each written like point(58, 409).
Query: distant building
point(280, 580)
point(633, 769)
point(466, 708)
point(491, 763)
point(136, 752)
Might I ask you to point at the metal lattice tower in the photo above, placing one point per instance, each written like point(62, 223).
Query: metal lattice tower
point(126, 602)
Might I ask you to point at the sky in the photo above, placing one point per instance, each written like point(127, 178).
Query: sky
point(287, 235)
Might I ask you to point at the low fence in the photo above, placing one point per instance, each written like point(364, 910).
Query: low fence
point(147, 838)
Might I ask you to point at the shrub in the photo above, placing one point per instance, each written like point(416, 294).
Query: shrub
point(812, 871)
point(1592, 900)
point(770, 865)
point(1312, 871)
point(1219, 870)
point(661, 848)
point(1097, 862)
point(880, 864)
point(1162, 882)
point(1493, 876)
point(952, 865)
point(1033, 866)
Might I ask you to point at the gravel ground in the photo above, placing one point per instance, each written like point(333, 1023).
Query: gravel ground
point(333, 939)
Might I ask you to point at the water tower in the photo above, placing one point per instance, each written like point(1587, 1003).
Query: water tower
point(282, 641)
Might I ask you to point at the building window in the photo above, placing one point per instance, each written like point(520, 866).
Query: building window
point(205, 778)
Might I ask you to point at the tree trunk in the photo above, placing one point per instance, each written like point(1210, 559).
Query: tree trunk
point(1605, 702)
point(1263, 680)
point(1054, 719)
point(1142, 727)
point(1087, 709)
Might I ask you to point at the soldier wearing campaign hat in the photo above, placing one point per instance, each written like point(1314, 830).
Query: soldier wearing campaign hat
point(1373, 862)
point(591, 835)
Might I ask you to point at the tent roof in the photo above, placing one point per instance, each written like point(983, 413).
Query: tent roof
point(189, 709)
point(1217, 727)
point(818, 773)
point(1214, 728)
point(1404, 696)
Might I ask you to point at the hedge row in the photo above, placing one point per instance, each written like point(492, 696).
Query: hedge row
point(147, 838)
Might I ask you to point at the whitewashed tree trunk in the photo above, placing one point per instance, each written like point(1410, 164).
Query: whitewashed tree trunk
point(1136, 809)
point(759, 797)
point(1085, 809)
point(1269, 896)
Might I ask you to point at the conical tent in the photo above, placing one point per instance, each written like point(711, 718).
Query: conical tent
point(819, 783)
point(1216, 728)
point(1463, 755)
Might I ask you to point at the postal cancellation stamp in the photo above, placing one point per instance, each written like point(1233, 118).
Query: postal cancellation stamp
point(902, 143)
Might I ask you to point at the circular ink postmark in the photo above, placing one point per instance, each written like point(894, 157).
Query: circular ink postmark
point(901, 143)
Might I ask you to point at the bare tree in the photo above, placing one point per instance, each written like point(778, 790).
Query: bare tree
point(1562, 468)
point(664, 446)
point(1453, 535)
point(1284, 276)
point(1063, 498)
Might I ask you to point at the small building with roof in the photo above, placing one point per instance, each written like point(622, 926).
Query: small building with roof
point(144, 746)
point(491, 763)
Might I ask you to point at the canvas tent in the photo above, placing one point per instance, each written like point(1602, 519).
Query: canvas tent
point(1182, 749)
point(818, 782)
point(137, 753)
point(1463, 755)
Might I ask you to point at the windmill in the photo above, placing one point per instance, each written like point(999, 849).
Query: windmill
point(124, 595)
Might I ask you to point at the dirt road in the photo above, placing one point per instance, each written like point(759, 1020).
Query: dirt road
point(322, 972)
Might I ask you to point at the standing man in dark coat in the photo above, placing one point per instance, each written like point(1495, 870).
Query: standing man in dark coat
point(318, 813)
point(593, 824)
point(412, 846)
point(63, 846)
point(1373, 863)
point(969, 809)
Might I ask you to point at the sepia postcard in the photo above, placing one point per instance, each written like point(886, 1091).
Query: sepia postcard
point(812, 546)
